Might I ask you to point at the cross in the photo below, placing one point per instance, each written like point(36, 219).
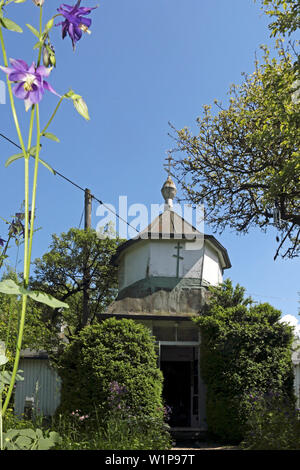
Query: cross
point(178, 247)
point(169, 164)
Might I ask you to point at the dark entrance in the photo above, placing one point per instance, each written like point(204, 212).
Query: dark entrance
point(177, 391)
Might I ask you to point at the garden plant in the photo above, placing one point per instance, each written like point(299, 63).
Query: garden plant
point(29, 83)
point(111, 384)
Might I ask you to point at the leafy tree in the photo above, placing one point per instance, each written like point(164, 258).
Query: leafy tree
point(244, 163)
point(287, 14)
point(245, 352)
point(77, 263)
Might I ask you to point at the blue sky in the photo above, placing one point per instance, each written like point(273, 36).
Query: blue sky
point(147, 62)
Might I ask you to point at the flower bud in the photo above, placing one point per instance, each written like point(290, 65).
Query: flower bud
point(38, 3)
point(53, 60)
point(46, 57)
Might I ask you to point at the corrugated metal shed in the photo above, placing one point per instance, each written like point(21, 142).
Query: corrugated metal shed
point(40, 382)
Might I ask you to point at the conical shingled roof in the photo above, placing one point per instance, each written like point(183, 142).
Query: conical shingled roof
point(170, 223)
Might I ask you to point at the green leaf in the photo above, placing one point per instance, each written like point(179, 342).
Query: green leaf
point(5, 377)
point(3, 360)
point(37, 45)
point(11, 288)
point(49, 25)
point(45, 443)
point(55, 437)
point(47, 299)
point(28, 433)
point(14, 157)
point(39, 433)
point(50, 136)
point(11, 433)
point(8, 445)
point(24, 442)
point(18, 156)
point(46, 165)
point(33, 30)
point(11, 25)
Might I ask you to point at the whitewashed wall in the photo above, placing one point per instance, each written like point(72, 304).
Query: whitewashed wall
point(212, 272)
point(133, 265)
point(157, 258)
point(163, 259)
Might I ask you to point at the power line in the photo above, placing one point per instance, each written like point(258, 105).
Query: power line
point(268, 296)
point(81, 219)
point(77, 186)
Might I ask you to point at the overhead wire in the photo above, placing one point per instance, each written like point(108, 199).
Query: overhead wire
point(77, 186)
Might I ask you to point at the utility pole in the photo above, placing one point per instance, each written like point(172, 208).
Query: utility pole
point(87, 209)
point(86, 279)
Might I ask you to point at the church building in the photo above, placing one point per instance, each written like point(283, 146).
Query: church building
point(164, 274)
point(163, 278)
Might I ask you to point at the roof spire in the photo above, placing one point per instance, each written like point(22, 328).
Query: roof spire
point(169, 189)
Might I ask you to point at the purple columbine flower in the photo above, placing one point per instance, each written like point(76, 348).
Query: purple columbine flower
point(2, 241)
point(31, 84)
point(75, 23)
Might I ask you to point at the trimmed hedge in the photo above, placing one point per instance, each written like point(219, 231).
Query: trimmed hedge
point(112, 352)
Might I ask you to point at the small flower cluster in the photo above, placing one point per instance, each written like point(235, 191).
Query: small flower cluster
point(166, 410)
point(75, 23)
point(77, 414)
point(30, 79)
point(31, 83)
point(117, 392)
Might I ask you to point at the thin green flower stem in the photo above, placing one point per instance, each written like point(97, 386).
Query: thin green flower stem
point(26, 258)
point(52, 116)
point(41, 29)
point(27, 268)
point(26, 228)
point(30, 128)
point(34, 186)
point(26, 156)
point(17, 356)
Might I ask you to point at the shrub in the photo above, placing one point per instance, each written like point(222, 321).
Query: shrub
point(118, 352)
point(273, 424)
point(243, 348)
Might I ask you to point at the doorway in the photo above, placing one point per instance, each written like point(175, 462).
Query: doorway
point(177, 391)
point(179, 365)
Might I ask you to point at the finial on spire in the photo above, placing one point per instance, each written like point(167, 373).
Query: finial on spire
point(169, 189)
